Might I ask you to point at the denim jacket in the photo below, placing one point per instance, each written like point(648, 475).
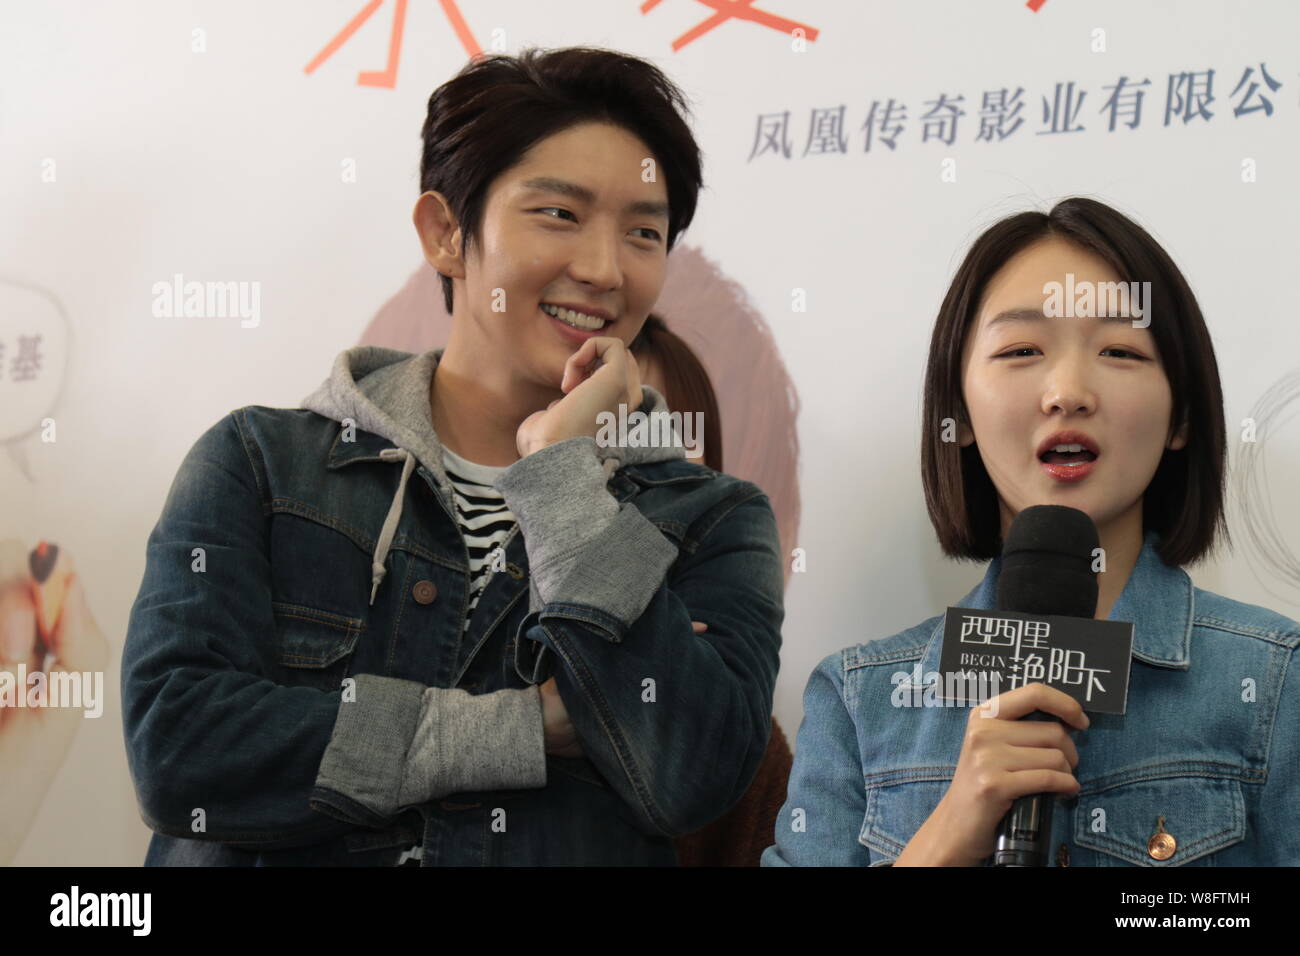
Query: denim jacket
point(300, 687)
point(1209, 742)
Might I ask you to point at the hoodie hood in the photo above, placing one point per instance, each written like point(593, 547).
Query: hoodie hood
point(386, 392)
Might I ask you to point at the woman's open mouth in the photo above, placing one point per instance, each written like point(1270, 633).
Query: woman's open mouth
point(1068, 461)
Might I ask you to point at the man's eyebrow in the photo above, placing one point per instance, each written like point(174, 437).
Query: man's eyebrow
point(549, 184)
point(648, 207)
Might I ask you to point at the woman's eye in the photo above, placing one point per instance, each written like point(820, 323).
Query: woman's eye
point(1127, 353)
point(1016, 353)
point(550, 209)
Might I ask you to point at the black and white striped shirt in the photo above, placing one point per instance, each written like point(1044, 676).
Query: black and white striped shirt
point(485, 520)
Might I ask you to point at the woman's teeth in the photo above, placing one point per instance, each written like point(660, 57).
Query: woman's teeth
point(578, 320)
point(1068, 454)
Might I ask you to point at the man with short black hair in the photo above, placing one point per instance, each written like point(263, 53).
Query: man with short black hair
point(447, 614)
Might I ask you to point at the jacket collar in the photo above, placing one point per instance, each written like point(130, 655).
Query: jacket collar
point(1157, 599)
point(366, 446)
point(385, 393)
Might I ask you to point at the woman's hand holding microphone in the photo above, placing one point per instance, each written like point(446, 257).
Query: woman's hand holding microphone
point(1002, 758)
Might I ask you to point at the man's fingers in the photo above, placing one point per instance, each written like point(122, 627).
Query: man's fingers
point(593, 355)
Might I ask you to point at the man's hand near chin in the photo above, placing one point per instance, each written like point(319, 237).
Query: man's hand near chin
point(598, 377)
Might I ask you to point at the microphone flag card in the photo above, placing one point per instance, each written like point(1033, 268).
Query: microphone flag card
point(1003, 650)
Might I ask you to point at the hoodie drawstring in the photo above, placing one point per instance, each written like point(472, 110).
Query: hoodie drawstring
point(377, 569)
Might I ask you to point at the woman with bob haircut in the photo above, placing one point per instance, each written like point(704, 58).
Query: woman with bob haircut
point(1121, 418)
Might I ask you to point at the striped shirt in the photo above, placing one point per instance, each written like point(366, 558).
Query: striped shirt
point(485, 521)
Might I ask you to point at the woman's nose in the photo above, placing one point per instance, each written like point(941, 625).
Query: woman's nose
point(1067, 389)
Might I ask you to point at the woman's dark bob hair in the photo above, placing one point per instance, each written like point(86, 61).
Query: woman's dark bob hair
point(1184, 501)
point(483, 120)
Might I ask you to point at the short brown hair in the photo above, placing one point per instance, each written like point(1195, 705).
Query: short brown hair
point(483, 120)
point(1184, 501)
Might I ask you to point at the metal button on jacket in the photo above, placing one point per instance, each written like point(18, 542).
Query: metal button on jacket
point(424, 592)
point(1162, 844)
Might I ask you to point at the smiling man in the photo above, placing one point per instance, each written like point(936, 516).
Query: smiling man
point(429, 618)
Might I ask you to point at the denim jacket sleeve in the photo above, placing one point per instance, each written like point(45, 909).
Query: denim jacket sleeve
point(211, 737)
point(676, 722)
point(1279, 800)
point(826, 802)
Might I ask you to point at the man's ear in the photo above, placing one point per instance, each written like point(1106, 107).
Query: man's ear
point(439, 234)
point(1179, 439)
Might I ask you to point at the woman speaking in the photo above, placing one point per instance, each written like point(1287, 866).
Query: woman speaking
point(1121, 417)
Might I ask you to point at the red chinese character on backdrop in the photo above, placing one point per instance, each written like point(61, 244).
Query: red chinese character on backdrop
point(387, 77)
point(724, 10)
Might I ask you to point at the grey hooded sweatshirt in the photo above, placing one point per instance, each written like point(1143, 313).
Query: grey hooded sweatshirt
point(446, 739)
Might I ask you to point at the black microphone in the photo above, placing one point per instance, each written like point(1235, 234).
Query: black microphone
point(1047, 562)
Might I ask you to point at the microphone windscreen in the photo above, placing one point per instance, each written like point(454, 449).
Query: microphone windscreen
point(1047, 563)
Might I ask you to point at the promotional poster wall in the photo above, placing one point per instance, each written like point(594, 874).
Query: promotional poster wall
point(204, 203)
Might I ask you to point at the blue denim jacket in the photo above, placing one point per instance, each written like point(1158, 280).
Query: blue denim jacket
point(293, 554)
point(1209, 742)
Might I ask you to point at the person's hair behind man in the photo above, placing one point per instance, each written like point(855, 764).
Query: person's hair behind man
point(686, 384)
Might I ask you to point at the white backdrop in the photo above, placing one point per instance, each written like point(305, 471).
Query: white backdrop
point(143, 139)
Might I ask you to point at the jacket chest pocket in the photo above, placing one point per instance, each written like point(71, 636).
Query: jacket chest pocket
point(313, 648)
point(895, 812)
point(1173, 821)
